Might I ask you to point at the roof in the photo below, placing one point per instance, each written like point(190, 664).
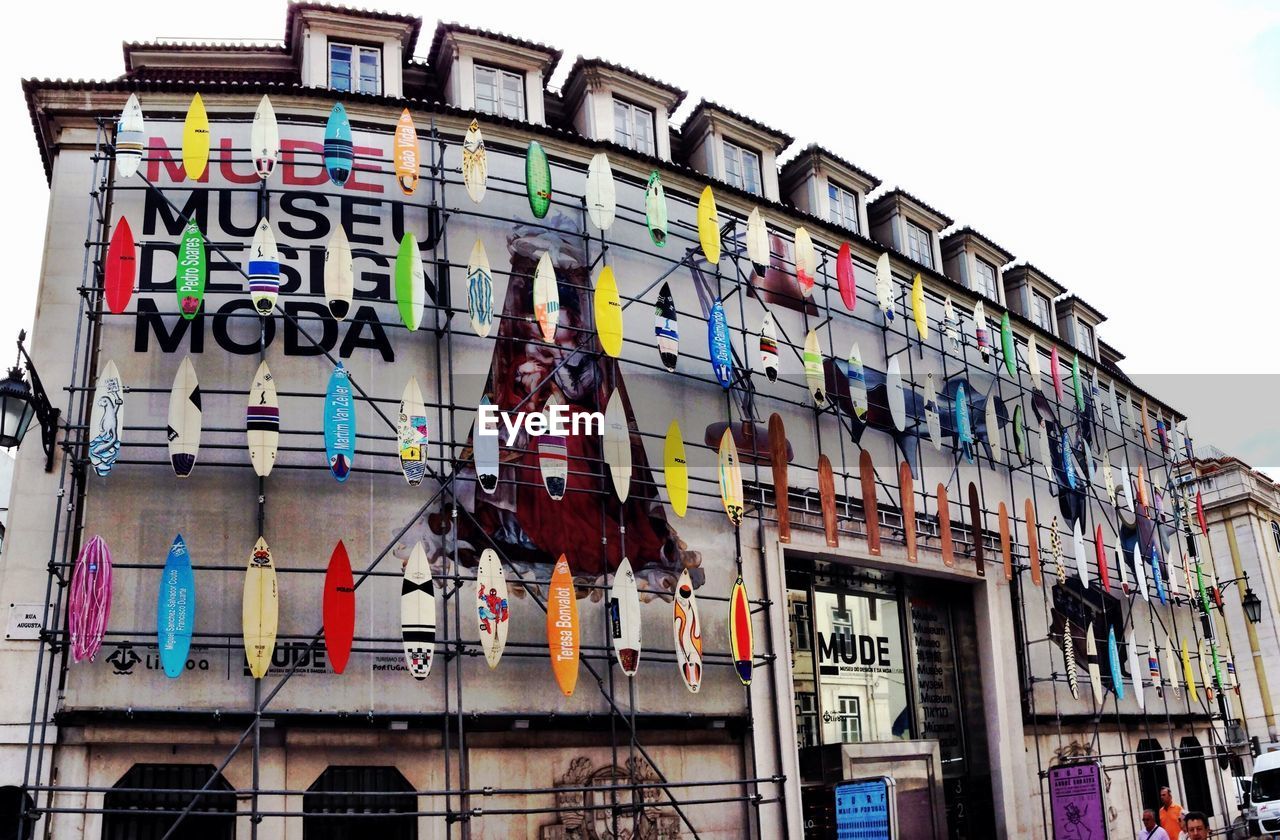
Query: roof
point(295, 8)
point(1014, 270)
point(130, 47)
point(814, 150)
point(1074, 300)
point(580, 64)
point(1111, 350)
point(970, 232)
point(897, 193)
point(443, 29)
point(705, 105)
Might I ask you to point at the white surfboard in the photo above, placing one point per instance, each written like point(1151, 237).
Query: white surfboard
point(857, 376)
point(262, 421)
point(1114, 405)
point(418, 613)
point(1033, 360)
point(806, 261)
point(884, 286)
point(1135, 669)
point(602, 201)
point(411, 434)
point(1124, 490)
point(479, 290)
point(950, 324)
point(993, 429)
point(1124, 570)
point(617, 445)
point(475, 166)
point(1082, 559)
point(769, 347)
point(106, 420)
point(932, 419)
point(624, 618)
point(1046, 459)
point(263, 268)
point(339, 280)
point(546, 298)
point(493, 606)
point(688, 633)
point(484, 451)
point(757, 242)
point(1140, 571)
point(813, 375)
point(1095, 667)
point(130, 138)
point(896, 393)
point(981, 335)
point(185, 419)
point(264, 139)
point(1171, 668)
point(260, 610)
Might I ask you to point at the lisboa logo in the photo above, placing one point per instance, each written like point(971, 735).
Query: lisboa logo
point(558, 420)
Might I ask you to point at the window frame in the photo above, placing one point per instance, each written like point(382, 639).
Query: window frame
point(632, 108)
point(358, 50)
point(726, 145)
point(1036, 297)
point(499, 73)
point(1275, 534)
point(839, 200)
point(843, 717)
point(802, 627)
point(913, 246)
point(1089, 346)
point(992, 291)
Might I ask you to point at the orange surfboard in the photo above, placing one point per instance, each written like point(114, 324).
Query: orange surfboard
point(778, 459)
point(740, 641)
point(1033, 543)
point(562, 627)
point(907, 501)
point(944, 528)
point(1006, 544)
point(869, 508)
point(827, 496)
point(975, 525)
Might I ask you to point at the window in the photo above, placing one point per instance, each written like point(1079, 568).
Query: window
point(355, 69)
point(844, 207)
point(633, 126)
point(339, 792)
point(806, 718)
point(1153, 774)
point(1195, 779)
point(984, 281)
point(499, 92)
point(1275, 534)
point(742, 168)
point(841, 622)
point(1041, 314)
point(800, 630)
point(1084, 337)
point(919, 245)
point(850, 712)
point(131, 799)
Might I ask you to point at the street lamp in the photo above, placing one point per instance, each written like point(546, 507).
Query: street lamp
point(1252, 606)
point(20, 403)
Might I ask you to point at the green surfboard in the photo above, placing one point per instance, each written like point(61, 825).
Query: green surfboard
point(537, 179)
point(1077, 383)
point(1006, 346)
point(192, 270)
point(410, 282)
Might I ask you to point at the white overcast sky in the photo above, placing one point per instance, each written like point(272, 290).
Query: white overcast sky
point(1130, 150)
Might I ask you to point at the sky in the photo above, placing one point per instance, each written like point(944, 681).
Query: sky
point(1129, 150)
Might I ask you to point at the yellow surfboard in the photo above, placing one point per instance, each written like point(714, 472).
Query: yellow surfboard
point(730, 477)
point(675, 470)
point(920, 308)
point(195, 140)
point(608, 313)
point(261, 610)
point(709, 226)
point(562, 627)
point(1186, 673)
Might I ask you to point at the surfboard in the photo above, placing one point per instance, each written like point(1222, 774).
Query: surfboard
point(1135, 671)
point(781, 485)
point(262, 421)
point(411, 434)
point(806, 262)
point(740, 636)
point(339, 280)
point(1055, 551)
point(845, 279)
point(944, 528)
point(951, 324)
point(709, 226)
point(1007, 349)
point(1127, 407)
point(608, 312)
point(106, 420)
point(537, 179)
point(991, 422)
point(1187, 677)
point(1091, 658)
point(1068, 468)
point(687, 630)
point(895, 393)
point(1162, 435)
point(1077, 548)
point(1019, 434)
point(1069, 657)
point(1159, 579)
point(624, 618)
point(932, 420)
point(1100, 556)
point(339, 153)
point(546, 298)
point(260, 610)
point(602, 199)
point(1140, 572)
point(857, 376)
point(1146, 427)
point(675, 469)
point(562, 627)
point(1142, 486)
point(616, 444)
point(121, 269)
point(195, 140)
point(1077, 381)
point(411, 287)
point(827, 500)
point(1113, 661)
point(404, 153)
point(130, 138)
point(655, 209)
point(1033, 542)
point(813, 375)
point(1112, 404)
point(1006, 542)
point(1108, 476)
point(176, 609)
point(339, 424)
point(493, 606)
point(553, 455)
point(1170, 668)
point(185, 419)
point(484, 452)
point(1055, 370)
point(89, 599)
point(870, 510)
point(1124, 490)
point(980, 333)
point(263, 269)
point(475, 164)
point(1033, 361)
point(339, 608)
point(479, 290)
point(192, 268)
point(730, 473)
point(718, 347)
point(264, 139)
point(919, 307)
point(907, 501)
point(769, 347)
point(666, 328)
point(757, 242)
point(418, 613)
point(977, 529)
point(884, 287)
point(964, 427)
point(1200, 520)
point(1046, 459)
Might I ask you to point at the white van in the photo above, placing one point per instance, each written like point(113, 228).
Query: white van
point(1264, 794)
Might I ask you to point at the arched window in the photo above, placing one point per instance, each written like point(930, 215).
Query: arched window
point(334, 805)
point(11, 801)
point(1152, 772)
point(137, 792)
point(1195, 779)
point(1275, 533)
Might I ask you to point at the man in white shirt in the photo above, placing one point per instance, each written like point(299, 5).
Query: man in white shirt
point(1150, 829)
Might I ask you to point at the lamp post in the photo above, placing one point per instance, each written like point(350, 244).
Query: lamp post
point(1249, 601)
point(20, 403)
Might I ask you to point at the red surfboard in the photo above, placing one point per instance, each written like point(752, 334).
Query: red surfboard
point(778, 460)
point(870, 510)
point(740, 631)
point(907, 500)
point(1033, 543)
point(975, 525)
point(845, 279)
point(827, 497)
point(1006, 544)
point(339, 608)
point(944, 528)
point(121, 268)
point(1204, 526)
point(1101, 552)
point(1057, 374)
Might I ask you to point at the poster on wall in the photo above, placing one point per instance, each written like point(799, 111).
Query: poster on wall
point(1075, 796)
point(864, 810)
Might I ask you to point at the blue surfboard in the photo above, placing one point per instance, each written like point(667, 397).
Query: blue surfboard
point(176, 609)
point(1067, 466)
point(718, 345)
point(964, 432)
point(1155, 572)
point(340, 424)
point(339, 154)
point(1113, 653)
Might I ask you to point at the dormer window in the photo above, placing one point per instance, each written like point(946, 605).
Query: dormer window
point(984, 278)
point(919, 245)
point(1041, 315)
point(499, 92)
point(1084, 337)
point(633, 127)
point(354, 68)
point(844, 207)
point(742, 168)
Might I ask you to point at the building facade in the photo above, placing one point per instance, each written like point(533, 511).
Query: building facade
point(960, 545)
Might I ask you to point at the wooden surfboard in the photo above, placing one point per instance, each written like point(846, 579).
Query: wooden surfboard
point(484, 452)
point(616, 444)
point(195, 140)
point(867, 472)
point(264, 139)
point(730, 473)
point(602, 201)
point(546, 298)
point(553, 456)
point(781, 487)
point(479, 290)
point(769, 347)
point(340, 424)
point(263, 269)
point(675, 469)
point(411, 433)
point(907, 501)
point(106, 420)
point(827, 497)
point(493, 606)
point(537, 179)
point(185, 419)
point(121, 270)
point(339, 153)
point(944, 528)
point(260, 610)
point(884, 287)
point(404, 152)
point(845, 278)
point(411, 286)
point(1006, 542)
point(176, 609)
point(562, 627)
point(418, 613)
point(977, 528)
point(1033, 542)
point(608, 312)
point(339, 279)
point(688, 633)
point(757, 242)
point(624, 618)
point(262, 421)
point(192, 270)
point(666, 328)
point(655, 209)
point(130, 138)
point(920, 308)
point(813, 374)
point(806, 262)
point(339, 606)
point(709, 226)
point(740, 637)
point(475, 163)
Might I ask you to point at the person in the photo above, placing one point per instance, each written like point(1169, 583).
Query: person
point(1150, 830)
point(1197, 825)
point(1170, 814)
